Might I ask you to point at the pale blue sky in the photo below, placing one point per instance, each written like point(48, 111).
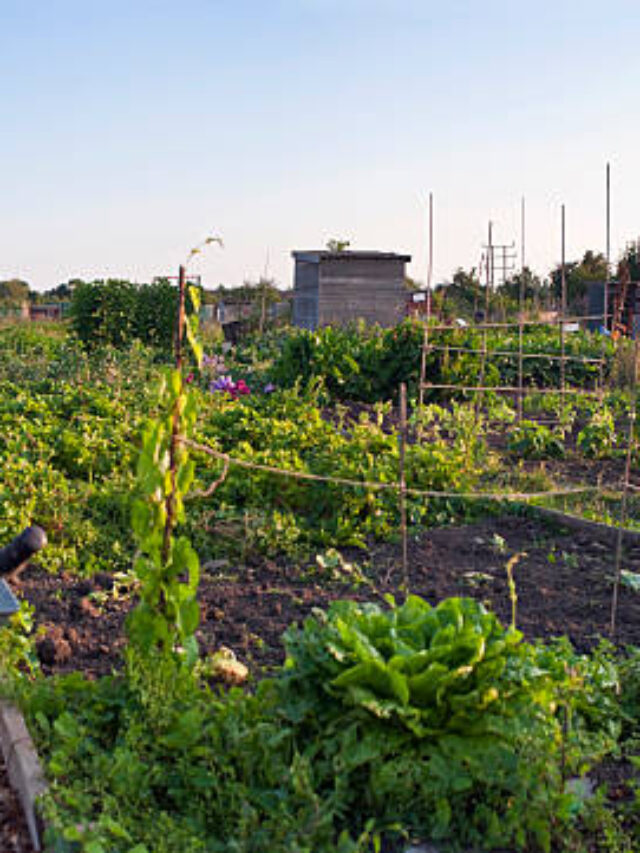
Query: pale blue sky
point(131, 130)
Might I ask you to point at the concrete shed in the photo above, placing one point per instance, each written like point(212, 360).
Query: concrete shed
point(333, 288)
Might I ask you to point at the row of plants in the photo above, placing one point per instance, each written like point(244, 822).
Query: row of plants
point(71, 421)
point(369, 363)
point(69, 429)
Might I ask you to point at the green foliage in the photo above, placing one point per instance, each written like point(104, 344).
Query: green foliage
point(13, 292)
point(18, 657)
point(369, 363)
point(289, 431)
point(68, 427)
point(355, 363)
point(433, 721)
point(118, 312)
point(157, 762)
point(592, 267)
point(598, 437)
point(536, 441)
point(436, 717)
point(168, 567)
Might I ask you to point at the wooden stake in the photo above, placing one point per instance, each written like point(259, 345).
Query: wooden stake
point(402, 492)
point(625, 486)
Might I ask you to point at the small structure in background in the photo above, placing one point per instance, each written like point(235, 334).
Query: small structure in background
point(418, 303)
point(244, 309)
point(48, 311)
point(623, 308)
point(337, 287)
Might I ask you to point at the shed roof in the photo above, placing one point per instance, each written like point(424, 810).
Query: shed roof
point(314, 256)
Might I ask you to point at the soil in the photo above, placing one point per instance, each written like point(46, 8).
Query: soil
point(563, 581)
point(14, 834)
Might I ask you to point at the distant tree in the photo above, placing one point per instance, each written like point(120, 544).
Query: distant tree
point(630, 258)
point(462, 296)
point(592, 267)
point(338, 245)
point(533, 287)
point(411, 284)
point(13, 291)
point(61, 293)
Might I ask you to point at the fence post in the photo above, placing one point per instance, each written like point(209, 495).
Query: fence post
point(631, 436)
point(402, 491)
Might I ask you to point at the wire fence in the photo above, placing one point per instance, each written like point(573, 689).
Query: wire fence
point(522, 390)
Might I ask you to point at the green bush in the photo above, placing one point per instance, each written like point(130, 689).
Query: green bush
point(118, 312)
point(598, 438)
point(536, 441)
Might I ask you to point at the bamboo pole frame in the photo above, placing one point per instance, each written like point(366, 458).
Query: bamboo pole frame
point(516, 354)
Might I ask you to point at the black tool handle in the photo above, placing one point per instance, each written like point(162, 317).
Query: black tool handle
point(22, 548)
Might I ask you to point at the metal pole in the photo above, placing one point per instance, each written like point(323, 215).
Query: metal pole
point(491, 258)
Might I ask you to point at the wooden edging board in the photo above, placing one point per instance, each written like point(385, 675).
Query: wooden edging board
point(25, 771)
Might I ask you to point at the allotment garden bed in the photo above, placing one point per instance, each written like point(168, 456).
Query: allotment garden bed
point(197, 516)
point(564, 583)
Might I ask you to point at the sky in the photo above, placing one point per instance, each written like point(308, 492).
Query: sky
point(132, 130)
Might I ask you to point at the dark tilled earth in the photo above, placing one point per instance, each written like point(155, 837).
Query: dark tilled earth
point(14, 834)
point(563, 580)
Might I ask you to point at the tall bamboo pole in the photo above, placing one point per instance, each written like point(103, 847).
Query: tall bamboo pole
point(631, 440)
point(563, 311)
point(425, 335)
point(402, 482)
point(521, 319)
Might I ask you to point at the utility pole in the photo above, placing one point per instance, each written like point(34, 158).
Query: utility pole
point(500, 258)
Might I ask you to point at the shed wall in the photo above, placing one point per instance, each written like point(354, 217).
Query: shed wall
point(305, 297)
point(368, 289)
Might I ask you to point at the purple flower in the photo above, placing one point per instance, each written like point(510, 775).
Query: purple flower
point(223, 383)
point(269, 388)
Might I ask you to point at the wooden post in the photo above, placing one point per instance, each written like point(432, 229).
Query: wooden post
point(563, 311)
point(402, 440)
point(427, 322)
point(180, 317)
point(170, 501)
point(625, 486)
point(520, 347)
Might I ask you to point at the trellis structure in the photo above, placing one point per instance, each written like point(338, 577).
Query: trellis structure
point(521, 390)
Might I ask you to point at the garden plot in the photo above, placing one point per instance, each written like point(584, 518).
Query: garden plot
point(293, 508)
point(563, 583)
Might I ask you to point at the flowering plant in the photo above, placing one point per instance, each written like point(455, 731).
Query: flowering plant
point(225, 384)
